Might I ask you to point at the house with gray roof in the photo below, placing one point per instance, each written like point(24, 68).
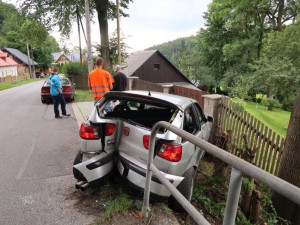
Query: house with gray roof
point(19, 57)
point(152, 66)
point(61, 57)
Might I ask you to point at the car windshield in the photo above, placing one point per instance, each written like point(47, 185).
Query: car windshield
point(139, 112)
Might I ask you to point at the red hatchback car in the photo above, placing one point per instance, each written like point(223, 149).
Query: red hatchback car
point(68, 90)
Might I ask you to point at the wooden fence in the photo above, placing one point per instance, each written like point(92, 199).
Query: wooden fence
point(81, 81)
point(146, 85)
point(268, 144)
point(190, 93)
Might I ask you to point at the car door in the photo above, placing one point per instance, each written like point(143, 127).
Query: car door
point(192, 126)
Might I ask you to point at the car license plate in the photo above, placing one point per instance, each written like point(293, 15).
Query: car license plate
point(120, 168)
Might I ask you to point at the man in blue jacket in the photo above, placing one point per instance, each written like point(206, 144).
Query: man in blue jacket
point(56, 93)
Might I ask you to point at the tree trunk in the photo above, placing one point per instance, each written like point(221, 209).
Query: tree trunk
point(289, 169)
point(270, 92)
point(101, 7)
point(280, 13)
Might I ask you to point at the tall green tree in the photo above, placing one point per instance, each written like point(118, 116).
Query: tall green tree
point(17, 30)
point(234, 36)
point(279, 66)
point(63, 13)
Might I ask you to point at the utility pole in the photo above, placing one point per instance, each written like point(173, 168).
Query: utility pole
point(28, 58)
point(78, 26)
point(88, 32)
point(118, 32)
point(33, 70)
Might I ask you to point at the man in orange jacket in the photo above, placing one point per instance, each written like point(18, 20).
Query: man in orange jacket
point(100, 82)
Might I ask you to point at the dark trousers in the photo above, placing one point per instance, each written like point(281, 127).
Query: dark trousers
point(56, 100)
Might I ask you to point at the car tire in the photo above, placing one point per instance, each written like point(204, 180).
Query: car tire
point(78, 159)
point(44, 101)
point(185, 188)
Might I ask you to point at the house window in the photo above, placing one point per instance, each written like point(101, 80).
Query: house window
point(156, 66)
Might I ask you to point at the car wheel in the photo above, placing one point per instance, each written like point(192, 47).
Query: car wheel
point(185, 188)
point(44, 101)
point(78, 175)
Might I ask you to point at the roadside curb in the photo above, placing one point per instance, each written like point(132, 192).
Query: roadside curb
point(82, 111)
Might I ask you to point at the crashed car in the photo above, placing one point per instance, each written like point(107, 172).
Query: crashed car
point(119, 138)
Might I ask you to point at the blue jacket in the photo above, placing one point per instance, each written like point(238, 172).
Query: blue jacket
point(54, 82)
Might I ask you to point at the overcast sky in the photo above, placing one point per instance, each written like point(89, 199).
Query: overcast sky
point(150, 22)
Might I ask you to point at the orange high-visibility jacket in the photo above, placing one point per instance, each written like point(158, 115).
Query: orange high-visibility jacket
point(99, 82)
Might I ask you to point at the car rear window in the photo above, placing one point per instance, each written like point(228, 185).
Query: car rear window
point(137, 112)
point(64, 81)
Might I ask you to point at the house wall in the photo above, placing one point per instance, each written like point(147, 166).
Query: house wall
point(62, 59)
point(8, 71)
point(164, 74)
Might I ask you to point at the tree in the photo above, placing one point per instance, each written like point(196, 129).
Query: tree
point(113, 49)
point(63, 14)
point(42, 53)
point(279, 66)
point(16, 30)
point(289, 169)
point(235, 32)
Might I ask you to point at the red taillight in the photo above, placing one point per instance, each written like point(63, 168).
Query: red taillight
point(171, 152)
point(146, 140)
point(110, 129)
point(44, 90)
point(66, 89)
point(89, 132)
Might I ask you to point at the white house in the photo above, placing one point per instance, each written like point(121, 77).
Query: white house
point(8, 67)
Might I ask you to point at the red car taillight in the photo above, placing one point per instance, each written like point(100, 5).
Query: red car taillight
point(146, 140)
point(66, 89)
point(88, 131)
point(170, 151)
point(110, 129)
point(45, 90)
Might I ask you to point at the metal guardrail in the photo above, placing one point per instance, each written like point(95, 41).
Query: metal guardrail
point(239, 167)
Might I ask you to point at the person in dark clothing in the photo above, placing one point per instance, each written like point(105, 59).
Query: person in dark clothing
point(120, 80)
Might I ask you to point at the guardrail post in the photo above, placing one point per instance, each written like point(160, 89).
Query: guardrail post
point(145, 208)
point(233, 197)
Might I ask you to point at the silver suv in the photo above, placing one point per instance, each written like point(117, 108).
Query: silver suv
point(119, 138)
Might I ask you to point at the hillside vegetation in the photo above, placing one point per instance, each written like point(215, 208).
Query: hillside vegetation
point(244, 50)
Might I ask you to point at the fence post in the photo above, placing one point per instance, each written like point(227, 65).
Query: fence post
point(212, 105)
point(130, 83)
point(167, 88)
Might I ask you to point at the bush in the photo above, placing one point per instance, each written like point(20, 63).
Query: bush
point(271, 104)
point(240, 102)
point(74, 68)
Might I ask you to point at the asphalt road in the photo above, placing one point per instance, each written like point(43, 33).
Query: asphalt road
point(36, 156)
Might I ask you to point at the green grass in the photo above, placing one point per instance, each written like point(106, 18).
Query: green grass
point(18, 83)
point(119, 202)
point(83, 96)
point(277, 120)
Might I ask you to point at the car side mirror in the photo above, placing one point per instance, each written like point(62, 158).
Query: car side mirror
point(74, 84)
point(210, 119)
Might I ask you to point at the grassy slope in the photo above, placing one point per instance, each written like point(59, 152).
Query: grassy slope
point(7, 86)
point(277, 120)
